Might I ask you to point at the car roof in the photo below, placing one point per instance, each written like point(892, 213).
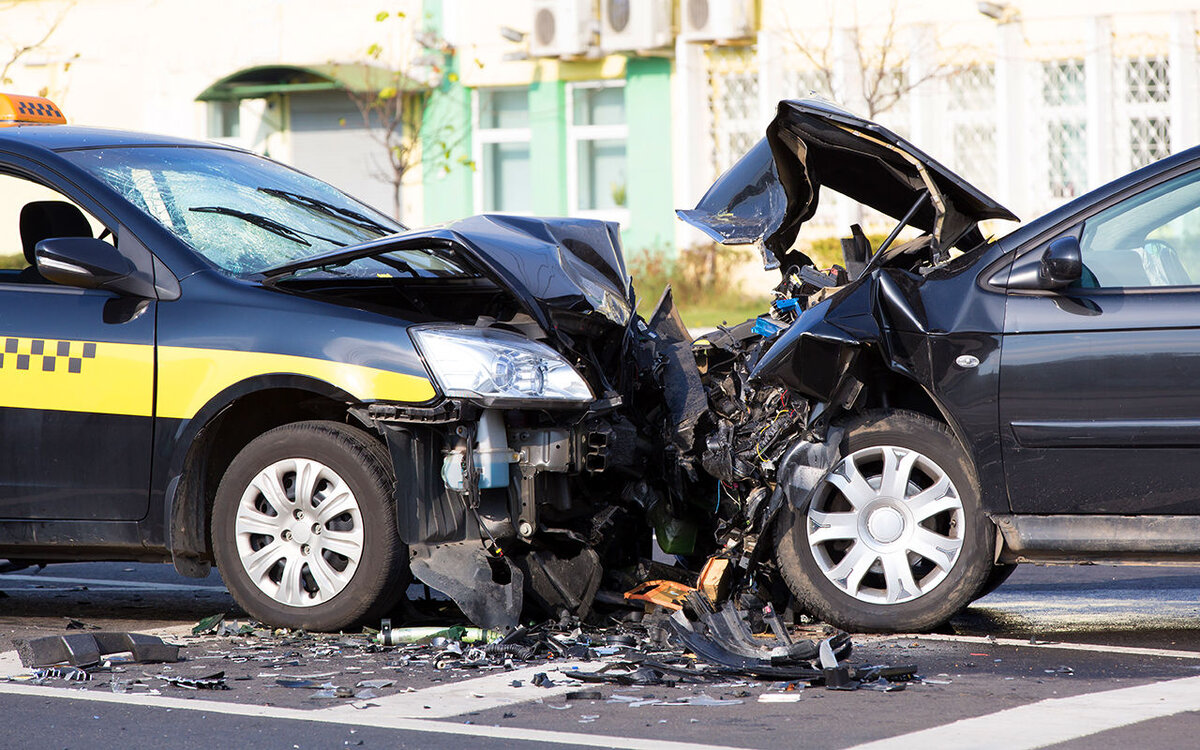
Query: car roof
point(66, 137)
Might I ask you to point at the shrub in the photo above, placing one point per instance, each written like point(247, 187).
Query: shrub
point(703, 279)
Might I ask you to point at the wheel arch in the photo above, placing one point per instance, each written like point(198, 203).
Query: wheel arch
point(204, 445)
point(896, 390)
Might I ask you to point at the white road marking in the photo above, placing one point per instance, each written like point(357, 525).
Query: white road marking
point(344, 715)
point(1055, 720)
point(1093, 647)
point(109, 584)
point(477, 694)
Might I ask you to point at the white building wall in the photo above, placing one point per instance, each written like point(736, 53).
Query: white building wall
point(1073, 93)
point(140, 64)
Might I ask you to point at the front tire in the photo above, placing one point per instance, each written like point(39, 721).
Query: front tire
point(894, 539)
point(304, 528)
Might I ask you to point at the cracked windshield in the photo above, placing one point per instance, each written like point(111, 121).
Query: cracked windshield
point(247, 214)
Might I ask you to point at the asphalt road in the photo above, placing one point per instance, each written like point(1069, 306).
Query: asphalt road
point(1075, 657)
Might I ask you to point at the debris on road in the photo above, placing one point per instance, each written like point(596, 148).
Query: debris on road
point(214, 681)
point(87, 649)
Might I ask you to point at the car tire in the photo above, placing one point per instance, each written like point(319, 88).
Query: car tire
point(898, 558)
point(304, 528)
point(996, 577)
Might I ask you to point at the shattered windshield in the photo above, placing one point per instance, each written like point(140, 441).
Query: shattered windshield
point(246, 213)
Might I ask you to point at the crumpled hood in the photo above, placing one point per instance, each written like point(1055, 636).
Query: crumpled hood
point(775, 187)
point(559, 269)
point(555, 265)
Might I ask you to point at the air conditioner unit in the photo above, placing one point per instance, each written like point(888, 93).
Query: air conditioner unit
point(635, 24)
point(710, 20)
point(562, 28)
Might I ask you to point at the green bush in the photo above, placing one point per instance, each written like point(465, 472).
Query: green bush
point(703, 282)
point(826, 251)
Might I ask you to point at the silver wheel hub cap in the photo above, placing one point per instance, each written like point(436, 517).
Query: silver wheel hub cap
point(299, 532)
point(886, 525)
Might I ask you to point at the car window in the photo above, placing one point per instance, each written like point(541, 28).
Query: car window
point(48, 213)
point(246, 213)
point(1149, 240)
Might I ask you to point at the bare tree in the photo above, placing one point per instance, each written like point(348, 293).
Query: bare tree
point(883, 63)
point(400, 85)
point(19, 50)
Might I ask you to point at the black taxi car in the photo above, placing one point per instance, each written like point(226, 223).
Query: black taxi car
point(209, 357)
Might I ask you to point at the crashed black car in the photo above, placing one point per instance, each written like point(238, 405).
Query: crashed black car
point(942, 408)
point(209, 357)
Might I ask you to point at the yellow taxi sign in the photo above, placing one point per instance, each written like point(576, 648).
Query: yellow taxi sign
point(15, 108)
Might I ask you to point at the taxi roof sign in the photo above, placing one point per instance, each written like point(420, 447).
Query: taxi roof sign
point(15, 108)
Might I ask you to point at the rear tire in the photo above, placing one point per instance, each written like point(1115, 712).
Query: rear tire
point(894, 539)
point(304, 528)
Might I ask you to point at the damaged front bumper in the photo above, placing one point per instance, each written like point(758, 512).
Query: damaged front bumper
point(493, 507)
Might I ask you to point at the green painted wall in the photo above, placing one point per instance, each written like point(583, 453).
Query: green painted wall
point(548, 147)
point(648, 111)
point(447, 183)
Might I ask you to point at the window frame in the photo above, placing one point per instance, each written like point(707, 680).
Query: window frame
point(579, 133)
point(488, 136)
point(1074, 225)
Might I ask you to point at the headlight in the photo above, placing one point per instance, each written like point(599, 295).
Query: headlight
point(482, 362)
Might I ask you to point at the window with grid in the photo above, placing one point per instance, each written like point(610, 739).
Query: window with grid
point(503, 178)
point(596, 138)
point(1146, 94)
point(732, 76)
point(971, 106)
point(1064, 103)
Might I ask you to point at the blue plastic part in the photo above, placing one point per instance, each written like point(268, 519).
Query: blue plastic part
point(787, 305)
point(766, 328)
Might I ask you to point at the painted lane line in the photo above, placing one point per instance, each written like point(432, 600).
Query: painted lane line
point(10, 665)
point(357, 718)
point(477, 694)
point(1097, 648)
point(1055, 720)
point(438, 702)
point(140, 585)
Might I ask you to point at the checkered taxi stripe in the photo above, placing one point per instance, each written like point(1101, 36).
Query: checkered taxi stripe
point(46, 355)
point(41, 108)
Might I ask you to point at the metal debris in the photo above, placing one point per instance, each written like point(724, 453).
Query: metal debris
point(214, 681)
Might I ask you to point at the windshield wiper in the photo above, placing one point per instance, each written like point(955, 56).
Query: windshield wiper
point(263, 222)
point(328, 209)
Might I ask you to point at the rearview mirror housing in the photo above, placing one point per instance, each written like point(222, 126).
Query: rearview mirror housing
point(1059, 266)
point(90, 263)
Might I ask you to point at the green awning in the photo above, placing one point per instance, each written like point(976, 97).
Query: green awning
point(263, 80)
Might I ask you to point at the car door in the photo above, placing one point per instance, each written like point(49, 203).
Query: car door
point(76, 374)
point(1099, 399)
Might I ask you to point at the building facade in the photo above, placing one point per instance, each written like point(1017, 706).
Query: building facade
point(628, 109)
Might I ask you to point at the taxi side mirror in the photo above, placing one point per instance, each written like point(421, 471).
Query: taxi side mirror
point(90, 263)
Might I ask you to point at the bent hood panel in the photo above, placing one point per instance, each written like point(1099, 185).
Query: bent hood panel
point(774, 188)
point(553, 266)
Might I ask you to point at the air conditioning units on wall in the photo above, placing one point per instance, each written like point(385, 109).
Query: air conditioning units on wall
point(630, 25)
point(562, 28)
point(707, 20)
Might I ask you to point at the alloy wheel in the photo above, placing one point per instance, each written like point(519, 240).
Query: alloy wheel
point(299, 532)
point(886, 525)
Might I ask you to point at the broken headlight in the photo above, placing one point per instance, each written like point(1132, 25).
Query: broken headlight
point(472, 362)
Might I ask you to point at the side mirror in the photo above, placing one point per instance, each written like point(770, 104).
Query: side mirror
point(90, 263)
point(1059, 266)
point(1062, 263)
